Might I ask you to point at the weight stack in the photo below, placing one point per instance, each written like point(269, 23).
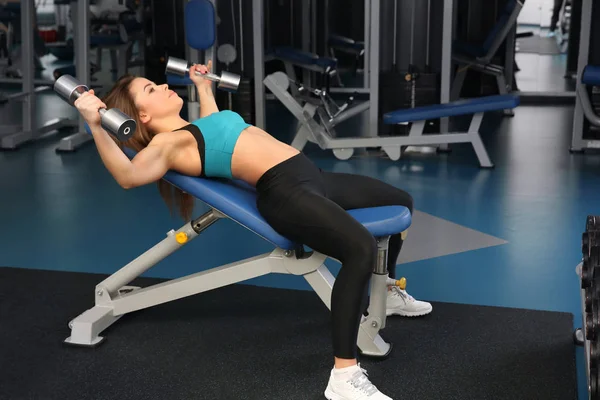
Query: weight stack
point(396, 92)
point(242, 101)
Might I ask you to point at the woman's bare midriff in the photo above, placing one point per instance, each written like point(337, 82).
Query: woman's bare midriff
point(256, 152)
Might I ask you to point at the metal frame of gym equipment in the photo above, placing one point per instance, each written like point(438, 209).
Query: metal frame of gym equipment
point(365, 71)
point(483, 64)
point(113, 299)
point(13, 136)
point(583, 108)
point(343, 148)
point(309, 130)
point(79, 8)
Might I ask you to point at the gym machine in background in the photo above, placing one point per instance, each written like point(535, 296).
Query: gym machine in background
point(586, 118)
point(13, 136)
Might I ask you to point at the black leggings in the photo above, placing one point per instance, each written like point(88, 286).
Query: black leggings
point(307, 205)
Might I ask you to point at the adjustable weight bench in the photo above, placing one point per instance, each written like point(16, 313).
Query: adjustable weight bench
point(237, 201)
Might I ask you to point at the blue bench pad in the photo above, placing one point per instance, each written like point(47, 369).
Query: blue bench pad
point(303, 57)
point(591, 75)
point(460, 107)
point(237, 200)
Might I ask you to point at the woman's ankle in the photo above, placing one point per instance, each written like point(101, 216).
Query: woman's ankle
point(344, 362)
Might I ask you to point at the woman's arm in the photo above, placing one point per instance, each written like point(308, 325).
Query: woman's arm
point(208, 105)
point(148, 166)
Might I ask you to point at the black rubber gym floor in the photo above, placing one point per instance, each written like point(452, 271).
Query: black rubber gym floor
point(246, 342)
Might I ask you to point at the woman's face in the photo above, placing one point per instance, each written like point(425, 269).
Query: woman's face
point(154, 101)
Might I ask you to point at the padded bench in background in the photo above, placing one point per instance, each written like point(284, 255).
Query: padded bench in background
point(591, 75)
point(459, 107)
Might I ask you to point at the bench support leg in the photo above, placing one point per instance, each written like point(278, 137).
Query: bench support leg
point(503, 89)
point(480, 151)
point(113, 299)
point(369, 341)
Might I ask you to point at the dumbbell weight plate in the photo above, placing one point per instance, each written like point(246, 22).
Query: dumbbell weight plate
point(591, 323)
point(119, 124)
point(592, 223)
point(229, 82)
point(594, 354)
point(586, 273)
point(592, 294)
point(589, 240)
point(594, 384)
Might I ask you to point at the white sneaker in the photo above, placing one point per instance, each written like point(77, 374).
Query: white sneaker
point(401, 303)
point(352, 383)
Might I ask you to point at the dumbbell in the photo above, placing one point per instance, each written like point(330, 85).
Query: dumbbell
point(592, 223)
point(227, 81)
point(591, 323)
point(113, 120)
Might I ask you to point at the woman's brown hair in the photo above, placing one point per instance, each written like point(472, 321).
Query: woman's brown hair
point(120, 97)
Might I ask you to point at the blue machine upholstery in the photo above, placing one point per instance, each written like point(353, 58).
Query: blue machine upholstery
point(200, 26)
point(177, 80)
point(591, 75)
point(303, 57)
point(237, 200)
point(460, 107)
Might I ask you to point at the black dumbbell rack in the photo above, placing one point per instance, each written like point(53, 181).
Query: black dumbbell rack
point(588, 335)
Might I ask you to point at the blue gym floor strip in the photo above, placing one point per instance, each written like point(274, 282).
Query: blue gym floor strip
point(247, 342)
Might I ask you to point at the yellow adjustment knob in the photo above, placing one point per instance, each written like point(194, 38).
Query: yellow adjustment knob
point(181, 237)
point(402, 283)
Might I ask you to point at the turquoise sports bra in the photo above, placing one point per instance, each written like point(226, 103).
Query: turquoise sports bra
point(217, 135)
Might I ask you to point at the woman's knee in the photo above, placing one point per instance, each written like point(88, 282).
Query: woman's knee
point(362, 255)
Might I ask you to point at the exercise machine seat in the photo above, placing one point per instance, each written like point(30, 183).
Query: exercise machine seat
point(237, 200)
point(304, 57)
point(591, 75)
point(459, 107)
point(200, 24)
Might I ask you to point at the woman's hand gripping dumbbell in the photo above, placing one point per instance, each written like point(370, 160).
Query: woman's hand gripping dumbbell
point(93, 110)
point(227, 81)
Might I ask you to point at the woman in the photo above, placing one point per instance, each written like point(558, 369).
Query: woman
point(299, 200)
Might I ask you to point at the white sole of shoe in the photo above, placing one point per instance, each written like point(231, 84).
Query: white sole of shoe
point(329, 395)
point(389, 313)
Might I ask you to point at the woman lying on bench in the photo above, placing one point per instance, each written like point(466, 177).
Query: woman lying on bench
point(300, 201)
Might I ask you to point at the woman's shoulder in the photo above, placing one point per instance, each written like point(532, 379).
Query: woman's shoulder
point(177, 137)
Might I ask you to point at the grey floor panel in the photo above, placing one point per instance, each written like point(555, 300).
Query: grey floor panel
point(430, 237)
